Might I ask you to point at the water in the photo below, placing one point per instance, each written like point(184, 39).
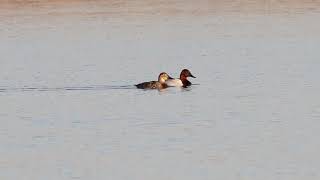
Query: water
point(68, 109)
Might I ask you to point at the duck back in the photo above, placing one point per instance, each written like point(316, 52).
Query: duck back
point(151, 85)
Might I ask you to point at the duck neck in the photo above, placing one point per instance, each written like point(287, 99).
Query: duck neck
point(185, 81)
point(160, 80)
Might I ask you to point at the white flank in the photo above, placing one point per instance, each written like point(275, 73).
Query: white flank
point(174, 82)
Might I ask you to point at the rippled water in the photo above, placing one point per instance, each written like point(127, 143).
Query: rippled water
point(68, 109)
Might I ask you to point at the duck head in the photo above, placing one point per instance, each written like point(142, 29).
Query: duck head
point(163, 77)
point(186, 73)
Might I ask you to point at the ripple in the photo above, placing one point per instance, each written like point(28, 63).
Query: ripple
point(68, 88)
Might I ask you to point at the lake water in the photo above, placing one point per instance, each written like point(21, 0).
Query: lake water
point(68, 109)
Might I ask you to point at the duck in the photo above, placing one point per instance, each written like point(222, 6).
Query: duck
point(182, 81)
point(160, 84)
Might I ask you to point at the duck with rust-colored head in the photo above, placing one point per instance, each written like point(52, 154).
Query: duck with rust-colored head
point(182, 81)
point(160, 84)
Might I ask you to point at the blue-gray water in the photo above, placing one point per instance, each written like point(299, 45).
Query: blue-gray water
point(68, 109)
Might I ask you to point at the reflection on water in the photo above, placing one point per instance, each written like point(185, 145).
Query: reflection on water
point(253, 112)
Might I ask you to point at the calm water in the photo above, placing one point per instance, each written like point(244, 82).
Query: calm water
point(68, 109)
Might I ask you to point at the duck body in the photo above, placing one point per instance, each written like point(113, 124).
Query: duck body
point(182, 81)
point(174, 83)
point(160, 84)
point(151, 85)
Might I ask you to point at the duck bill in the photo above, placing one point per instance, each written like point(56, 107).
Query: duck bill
point(170, 77)
point(192, 76)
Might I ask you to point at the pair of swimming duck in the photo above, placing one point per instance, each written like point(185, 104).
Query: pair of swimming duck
point(164, 81)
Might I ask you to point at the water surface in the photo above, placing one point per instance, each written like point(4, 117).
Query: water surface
point(68, 109)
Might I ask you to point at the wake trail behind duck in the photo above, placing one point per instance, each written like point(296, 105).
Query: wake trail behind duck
point(67, 88)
